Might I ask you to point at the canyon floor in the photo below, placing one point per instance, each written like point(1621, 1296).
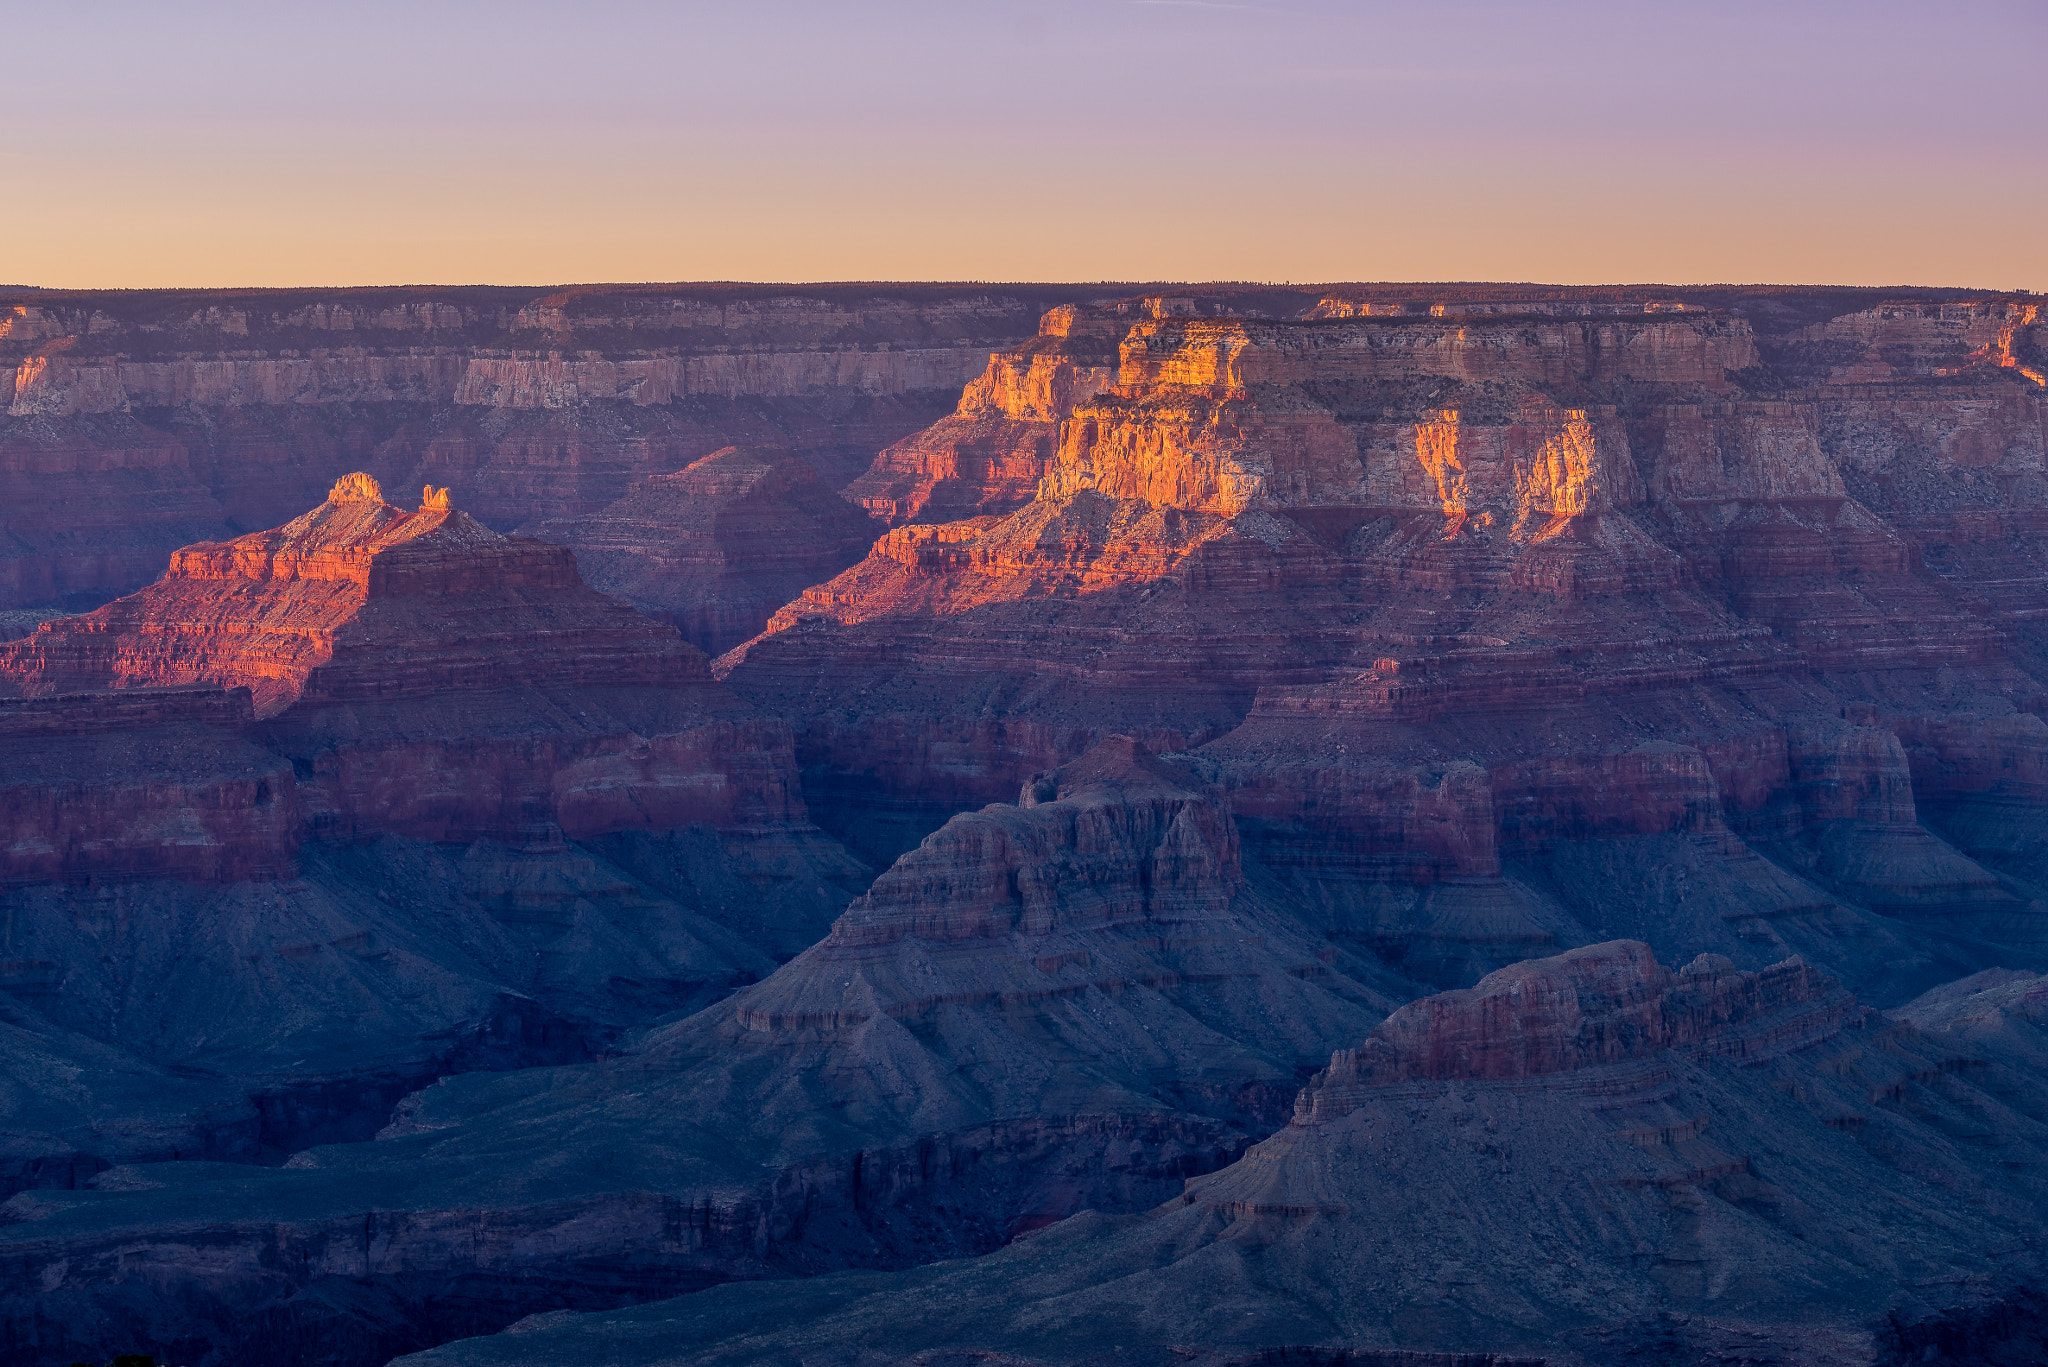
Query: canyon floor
point(1015, 825)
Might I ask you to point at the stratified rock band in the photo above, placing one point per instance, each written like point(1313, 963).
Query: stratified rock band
point(1024, 825)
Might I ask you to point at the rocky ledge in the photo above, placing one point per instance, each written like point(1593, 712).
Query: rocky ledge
point(1584, 1160)
point(1074, 1002)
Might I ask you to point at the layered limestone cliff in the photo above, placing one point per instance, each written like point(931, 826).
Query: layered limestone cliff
point(1610, 564)
point(434, 678)
point(79, 354)
point(134, 424)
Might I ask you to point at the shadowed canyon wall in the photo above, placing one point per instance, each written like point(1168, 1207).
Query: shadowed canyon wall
point(1586, 1160)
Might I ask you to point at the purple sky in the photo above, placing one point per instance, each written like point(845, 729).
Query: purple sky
point(217, 143)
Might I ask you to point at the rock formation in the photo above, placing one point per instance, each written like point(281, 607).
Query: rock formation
point(154, 783)
point(133, 424)
point(264, 611)
point(1237, 669)
point(355, 626)
point(1485, 620)
point(990, 454)
point(1585, 1159)
point(1071, 1002)
point(332, 810)
point(718, 547)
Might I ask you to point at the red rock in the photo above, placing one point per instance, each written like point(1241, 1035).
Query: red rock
point(989, 456)
point(1569, 554)
point(267, 612)
point(152, 783)
point(1585, 1008)
point(435, 678)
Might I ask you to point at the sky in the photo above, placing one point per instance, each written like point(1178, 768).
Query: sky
point(219, 143)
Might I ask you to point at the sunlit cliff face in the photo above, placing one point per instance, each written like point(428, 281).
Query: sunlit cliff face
point(1436, 447)
point(261, 611)
point(1221, 422)
point(1182, 447)
point(1540, 472)
point(2000, 351)
point(29, 372)
point(1217, 416)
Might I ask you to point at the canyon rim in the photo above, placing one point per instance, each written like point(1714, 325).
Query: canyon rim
point(1399, 825)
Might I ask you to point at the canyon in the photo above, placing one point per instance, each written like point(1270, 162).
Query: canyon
point(135, 423)
point(1582, 1159)
point(329, 810)
point(1413, 823)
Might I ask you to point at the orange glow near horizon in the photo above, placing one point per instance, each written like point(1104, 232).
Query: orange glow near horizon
point(226, 144)
point(389, 225)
